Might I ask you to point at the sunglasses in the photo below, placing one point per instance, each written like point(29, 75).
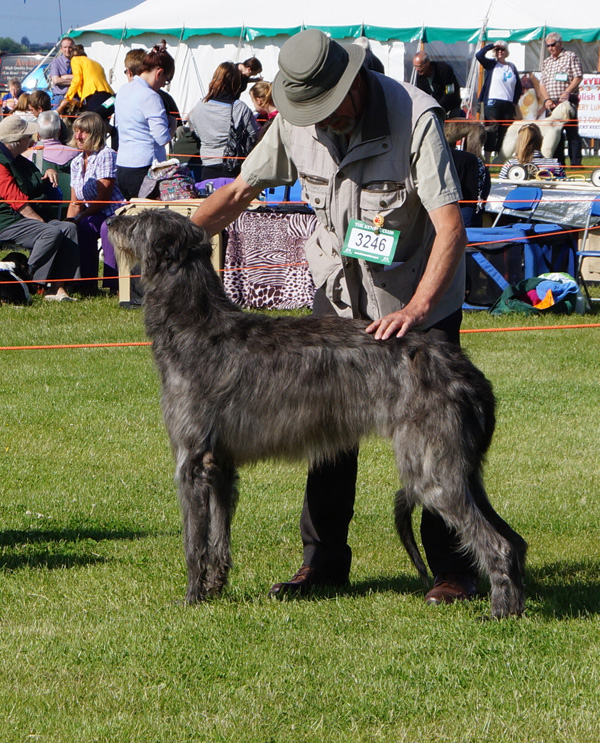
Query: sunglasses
point(551, 45)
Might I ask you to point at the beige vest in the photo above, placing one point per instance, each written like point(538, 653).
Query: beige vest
point(372, 177)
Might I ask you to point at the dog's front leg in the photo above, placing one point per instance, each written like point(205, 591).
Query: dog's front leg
point(207, 496)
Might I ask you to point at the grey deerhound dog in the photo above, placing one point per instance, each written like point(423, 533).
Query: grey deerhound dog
point(239, 387)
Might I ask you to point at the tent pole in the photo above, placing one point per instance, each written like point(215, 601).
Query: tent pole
point(422, 39)
point(111, 74)
point(475, 79)
point(60, 18)
point(541, 62)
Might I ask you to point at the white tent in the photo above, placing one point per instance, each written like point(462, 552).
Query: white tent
point(200, 35)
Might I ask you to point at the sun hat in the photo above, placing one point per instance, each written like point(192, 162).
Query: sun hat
point(315, 75)
point(13, 127)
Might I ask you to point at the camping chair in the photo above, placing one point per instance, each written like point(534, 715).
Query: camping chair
point(582, 253)
point(521, 199)
point(287, 194)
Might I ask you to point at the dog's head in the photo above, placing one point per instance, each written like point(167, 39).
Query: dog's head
point(161, 239)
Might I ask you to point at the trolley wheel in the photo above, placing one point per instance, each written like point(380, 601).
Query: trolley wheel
point(595, 178)
point(517, 173)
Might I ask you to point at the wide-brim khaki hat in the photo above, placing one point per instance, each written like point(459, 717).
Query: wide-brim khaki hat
point(315, 75)
point(13, 127)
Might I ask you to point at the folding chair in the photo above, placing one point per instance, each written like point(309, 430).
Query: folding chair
point(290, 194)
point(521, 199)
point(582, 254)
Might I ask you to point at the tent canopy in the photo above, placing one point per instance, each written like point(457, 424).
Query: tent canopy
point(199, 40)
point(386, 20)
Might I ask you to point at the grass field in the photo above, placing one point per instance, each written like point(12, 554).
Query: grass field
point(96, 645)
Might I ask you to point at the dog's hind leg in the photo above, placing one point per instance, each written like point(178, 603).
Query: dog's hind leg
point(403, 508)
point(498, 550)
point(506, 577)
point(207, 497)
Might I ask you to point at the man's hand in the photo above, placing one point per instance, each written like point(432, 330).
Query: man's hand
point(397, 323)
point(446, 254)
point(52, 176)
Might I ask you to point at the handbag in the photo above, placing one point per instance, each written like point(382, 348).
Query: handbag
point(236, 147)
point(168, 181)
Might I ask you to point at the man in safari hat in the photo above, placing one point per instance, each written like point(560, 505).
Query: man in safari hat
point(367, 148)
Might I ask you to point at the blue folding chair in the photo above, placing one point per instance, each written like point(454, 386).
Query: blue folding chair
point(280, 194)
point(522, 199)
point(582, 253)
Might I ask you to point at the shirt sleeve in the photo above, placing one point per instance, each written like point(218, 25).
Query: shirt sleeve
point(76, 82)
point(432, 166)
point(576, 65)
point(9, 191)
point(269, 163)
point(52, 69)
point(157, 121)
point(106, 164)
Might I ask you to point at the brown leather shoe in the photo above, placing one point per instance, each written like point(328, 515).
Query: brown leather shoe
point(450, 587)
point(304, 581)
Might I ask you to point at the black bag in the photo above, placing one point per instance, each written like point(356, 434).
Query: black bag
point(14, 271)
point(236, 148)
point(186, 146)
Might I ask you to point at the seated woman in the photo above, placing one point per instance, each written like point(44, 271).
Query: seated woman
point(50, 152)
point(89, 85)
point(22, 108)
point(528, 151)
point(26, 220)
point(213, 118)
point(262, 99)
point(93, 181)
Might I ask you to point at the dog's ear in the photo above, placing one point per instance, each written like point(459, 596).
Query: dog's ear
point(119, 231)
point(170, 239)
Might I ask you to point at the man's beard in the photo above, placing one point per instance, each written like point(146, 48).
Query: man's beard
point(343, 128)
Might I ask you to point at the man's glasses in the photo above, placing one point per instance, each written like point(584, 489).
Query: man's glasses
point(551, 45)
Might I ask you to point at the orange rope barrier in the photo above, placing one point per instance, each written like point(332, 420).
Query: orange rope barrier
point(540, 327)
point(63, 346)
point(74, 345)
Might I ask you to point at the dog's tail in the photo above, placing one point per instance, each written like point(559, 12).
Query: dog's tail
point(403, 509)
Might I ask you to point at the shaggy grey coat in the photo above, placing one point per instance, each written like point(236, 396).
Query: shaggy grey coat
point(238, 387)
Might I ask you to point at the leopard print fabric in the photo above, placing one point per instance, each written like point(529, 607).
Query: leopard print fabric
point(265, 263)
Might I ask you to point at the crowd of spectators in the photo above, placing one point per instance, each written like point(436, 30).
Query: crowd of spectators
point(142, 120)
